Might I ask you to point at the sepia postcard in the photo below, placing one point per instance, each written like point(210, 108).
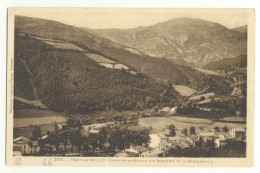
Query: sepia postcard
point(130, 87)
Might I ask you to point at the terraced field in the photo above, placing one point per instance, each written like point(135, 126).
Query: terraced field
point(99, 58)
point(59, 44)
point(66, 46)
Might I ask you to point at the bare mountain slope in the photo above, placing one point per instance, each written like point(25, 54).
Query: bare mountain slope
point(197, 42)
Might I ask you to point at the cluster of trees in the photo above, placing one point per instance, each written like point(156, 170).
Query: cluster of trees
point(183, 131)
point(115, 118)
point(192, 130)
point(107, 140)
point(69, 82)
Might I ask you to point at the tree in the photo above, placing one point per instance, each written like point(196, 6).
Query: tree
point(65, 139)
point(103, 119)
point(56, 126)
point(92, 140)
point(42, 145)
point(200, 142)
point(192, 130)
point(225, 129)
point(36, 133)
point(55, 139)
point(77, 140)
point(97, 120)
point(185, 131)
point(71, 122)
point(172, 130)
point(216, 129)
point(117, 139)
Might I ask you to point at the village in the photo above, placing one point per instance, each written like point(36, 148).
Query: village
point(202, 121)
point(118, 137)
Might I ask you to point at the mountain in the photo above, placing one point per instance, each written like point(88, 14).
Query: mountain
point(159, 70)
point(197, 42)
point(241, 29)
point(228, 63)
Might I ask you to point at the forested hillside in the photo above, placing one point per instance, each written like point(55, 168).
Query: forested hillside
point(161, 70)
point(68, 81)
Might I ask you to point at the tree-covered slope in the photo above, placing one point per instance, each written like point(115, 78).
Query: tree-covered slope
point(68, 81)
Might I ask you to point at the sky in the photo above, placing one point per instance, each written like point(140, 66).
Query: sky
point(100, 18)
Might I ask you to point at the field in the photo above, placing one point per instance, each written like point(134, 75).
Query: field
point(25, 122)
point(120, 66)
point(27, 131)
point(25, 119)
point(207, 72)
point(134, 51)
point(184, 90)
point(66, 46)
point(160, 124)
point(36, 103)
point(99, 58)
point(35, 113)
point(59, 44)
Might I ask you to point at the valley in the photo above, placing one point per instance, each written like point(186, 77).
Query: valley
point(106, 92)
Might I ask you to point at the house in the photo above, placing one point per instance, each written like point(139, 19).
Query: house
point(132, 152)
point(219, 142)
point(173, 110)
point(174, 139)
point(164, 110)
point(23, 145)
point(153, 153)
point(238, 133)
point(192, 139)
point(141, 149)
point(122, 154)
point(163, 138)
point(34, 147)
point(206, 136)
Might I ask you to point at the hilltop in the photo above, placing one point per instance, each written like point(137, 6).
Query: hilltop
point(242, 29)
point(188, 41)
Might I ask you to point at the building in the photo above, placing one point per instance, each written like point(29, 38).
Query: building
point(23, 145)
point(173, 110)
point(238, 133)
point(220, 141)
point(164, 110)
point(153, 153)
point(207, 136)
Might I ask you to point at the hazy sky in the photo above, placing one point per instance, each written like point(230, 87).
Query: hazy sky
point(130, 18)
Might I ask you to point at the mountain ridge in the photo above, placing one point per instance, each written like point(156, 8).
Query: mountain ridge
point(195, 41)
point(161, 70)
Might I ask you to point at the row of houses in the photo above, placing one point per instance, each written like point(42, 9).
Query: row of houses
point(218, 139)
point(181, 142)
